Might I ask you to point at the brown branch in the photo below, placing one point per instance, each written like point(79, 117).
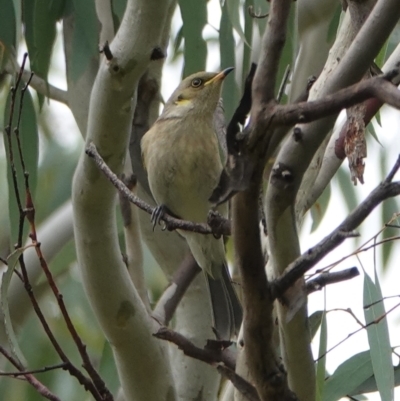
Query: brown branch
point(272, 46)
point(213, 353)
point(301, 265)
point(324, 279)
point(216, 354)
point(172, 223)
point(377, 87)
point(33, 371)
point(265, 367)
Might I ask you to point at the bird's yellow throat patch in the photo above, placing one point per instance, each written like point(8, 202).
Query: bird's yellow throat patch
point(183, 102)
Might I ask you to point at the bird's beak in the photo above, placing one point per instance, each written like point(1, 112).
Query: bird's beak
point(220, 76)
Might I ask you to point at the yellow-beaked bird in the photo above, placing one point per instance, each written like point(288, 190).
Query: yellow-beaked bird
point(183, 161)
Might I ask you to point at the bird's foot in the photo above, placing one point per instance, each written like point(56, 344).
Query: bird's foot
point(158, 215)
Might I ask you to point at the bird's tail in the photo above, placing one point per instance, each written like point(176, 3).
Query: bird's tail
point(226, 308)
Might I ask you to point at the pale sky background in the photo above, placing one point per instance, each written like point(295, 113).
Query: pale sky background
point(342, 295)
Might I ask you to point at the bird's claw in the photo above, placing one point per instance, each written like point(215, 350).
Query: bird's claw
point(157, 216)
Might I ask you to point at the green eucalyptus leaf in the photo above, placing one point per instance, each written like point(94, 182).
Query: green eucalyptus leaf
point(321, 364)
point(378, 338)
point(107, 369)
point(177, 44)
point(334, 24)
point(371, 130)
point(40, 18)
point(348, 376)
point(118, 10)
point(382, 56)
point(194, 17)
point(314, 322)
point(86, 37)
point(248, 33)
point(347, 188)
point(8, 30)
point(227, 56)
point(369, 385)
point(288, 52)
point(388, 208)
point(320, 207)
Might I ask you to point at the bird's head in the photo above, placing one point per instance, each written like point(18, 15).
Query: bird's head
point(198, 92)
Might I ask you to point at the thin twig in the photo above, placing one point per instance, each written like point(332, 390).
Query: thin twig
point(33, 371)
point(375, 321)
point(40, 387)
point(97, 387)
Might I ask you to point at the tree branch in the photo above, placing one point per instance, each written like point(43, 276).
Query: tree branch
point(264, 366)
point(215, 354)
point(305, 262)
point(121, 314)
point(377, 87)
point(324, 279)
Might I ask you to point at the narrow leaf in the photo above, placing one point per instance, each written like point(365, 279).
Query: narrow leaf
point(85, 38)
point(40, 18)
point(248, 33)
point(319, 208)
point(378, 338)
point(227, 57)
point(371, 130)
point(347, 189)
point(194, 17)
point(321, 365)
point(387, 210)
point(314, 322)
point(8, 24)
point(107, 369)
point(348, 376)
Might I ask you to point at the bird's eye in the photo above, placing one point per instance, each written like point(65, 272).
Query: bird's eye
point(196, 82)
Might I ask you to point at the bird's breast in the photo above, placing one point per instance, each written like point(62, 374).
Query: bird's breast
point(183, 164)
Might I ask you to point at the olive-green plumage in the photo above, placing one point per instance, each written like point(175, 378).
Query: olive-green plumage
point(182, 158)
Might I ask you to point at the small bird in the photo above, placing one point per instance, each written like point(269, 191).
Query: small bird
point(181, 155)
